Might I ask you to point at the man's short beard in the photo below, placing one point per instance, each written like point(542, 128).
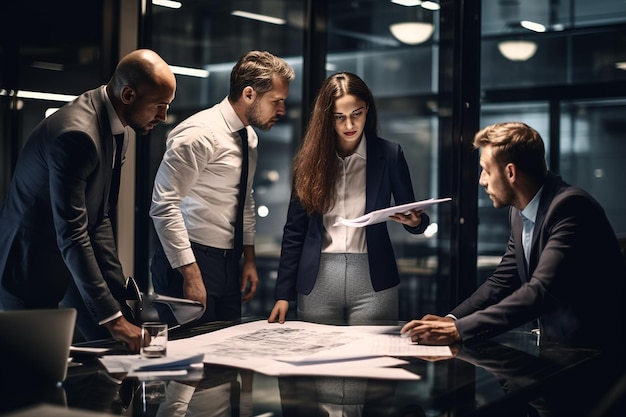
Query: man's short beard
point(253, 119)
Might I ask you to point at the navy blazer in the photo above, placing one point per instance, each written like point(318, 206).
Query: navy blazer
point(55, 222)
point(387, 174)
point(576, 280)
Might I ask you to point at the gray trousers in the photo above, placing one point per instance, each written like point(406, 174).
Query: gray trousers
point(343, 294)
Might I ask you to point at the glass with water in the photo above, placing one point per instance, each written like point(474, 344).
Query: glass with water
point(153, 340)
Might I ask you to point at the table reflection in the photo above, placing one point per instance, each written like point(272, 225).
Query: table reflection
point(510, 375)
point(224, 393)
point(541, 381)
point(337, 397)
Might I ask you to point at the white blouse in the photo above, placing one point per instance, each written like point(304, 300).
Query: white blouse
point(349, 203)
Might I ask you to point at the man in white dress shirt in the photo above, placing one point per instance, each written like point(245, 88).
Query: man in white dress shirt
point(195, 196)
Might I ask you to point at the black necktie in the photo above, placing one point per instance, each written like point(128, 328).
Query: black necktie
point(243, 181)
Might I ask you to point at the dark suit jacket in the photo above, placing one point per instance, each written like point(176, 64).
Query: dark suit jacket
point(54, 222)
point(576, 284)
point(386, 174)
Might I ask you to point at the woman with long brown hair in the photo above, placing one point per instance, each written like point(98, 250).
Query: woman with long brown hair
point(340, 274)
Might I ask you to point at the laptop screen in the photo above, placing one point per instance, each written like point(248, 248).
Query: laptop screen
point(36, 343)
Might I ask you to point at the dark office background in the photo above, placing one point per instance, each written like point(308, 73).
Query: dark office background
point(432, 97)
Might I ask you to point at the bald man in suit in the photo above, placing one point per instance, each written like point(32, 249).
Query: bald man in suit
point(55, 224)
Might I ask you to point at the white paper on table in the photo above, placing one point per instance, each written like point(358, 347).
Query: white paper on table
point(85, 349)
point(302, 348)
point(375, 367)
point(382, 215)
point(293, 340)
point(381, 345)
point(298, 341)
point(117, 364)
point(380, 368)
point(174, 373)
point(396, 345)
point(130, 363)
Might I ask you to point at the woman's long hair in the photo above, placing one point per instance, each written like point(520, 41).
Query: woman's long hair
point(315, 164)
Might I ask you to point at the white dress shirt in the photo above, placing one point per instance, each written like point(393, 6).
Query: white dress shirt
point(349, 203)
point(196, 186)
point(529, 217)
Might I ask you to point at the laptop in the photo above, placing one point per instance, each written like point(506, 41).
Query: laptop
point(36, 343)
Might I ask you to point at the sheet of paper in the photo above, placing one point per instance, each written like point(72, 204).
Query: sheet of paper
point(292, 348)
point(396, 345)
point(380, 368)
point(130, 363)
point(383, 345)
point(297, 347)
point(379, 216)
point(92, 350)
point(168, 363)
point(293, 340)
point(175, 373)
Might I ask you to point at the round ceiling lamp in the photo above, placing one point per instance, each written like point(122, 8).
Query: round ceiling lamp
point(412, 33)
point(517, 50)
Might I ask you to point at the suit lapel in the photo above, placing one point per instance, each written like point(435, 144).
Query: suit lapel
point(107, 145)
point(516, 230)
point(550, 187)
point(373, 168)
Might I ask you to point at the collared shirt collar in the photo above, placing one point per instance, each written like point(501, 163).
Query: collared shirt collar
point(530, 212)
point(116, 124)
point(360, 151)
point(233, 121)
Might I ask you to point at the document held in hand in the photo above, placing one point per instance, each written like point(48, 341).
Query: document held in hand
point(379, 216)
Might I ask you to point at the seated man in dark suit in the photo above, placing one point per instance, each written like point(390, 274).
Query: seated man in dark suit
point(57, 235)
point(562, 265)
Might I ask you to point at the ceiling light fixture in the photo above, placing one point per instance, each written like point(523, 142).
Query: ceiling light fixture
point(192, 72)
point(517, 50)
point(45, 96)
point(534, 26)
point(260, 17)
point(430, 5)
point(412, 33)
point(168, 3)
point(408, 3)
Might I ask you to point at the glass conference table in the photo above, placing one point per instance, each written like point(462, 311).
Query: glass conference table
point(510, 375)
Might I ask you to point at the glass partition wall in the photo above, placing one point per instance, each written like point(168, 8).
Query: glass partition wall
point(402, 73)
point(559, 66)
point(432, 94)
point(39, 73)
point(205, 38)
point(569, 86)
